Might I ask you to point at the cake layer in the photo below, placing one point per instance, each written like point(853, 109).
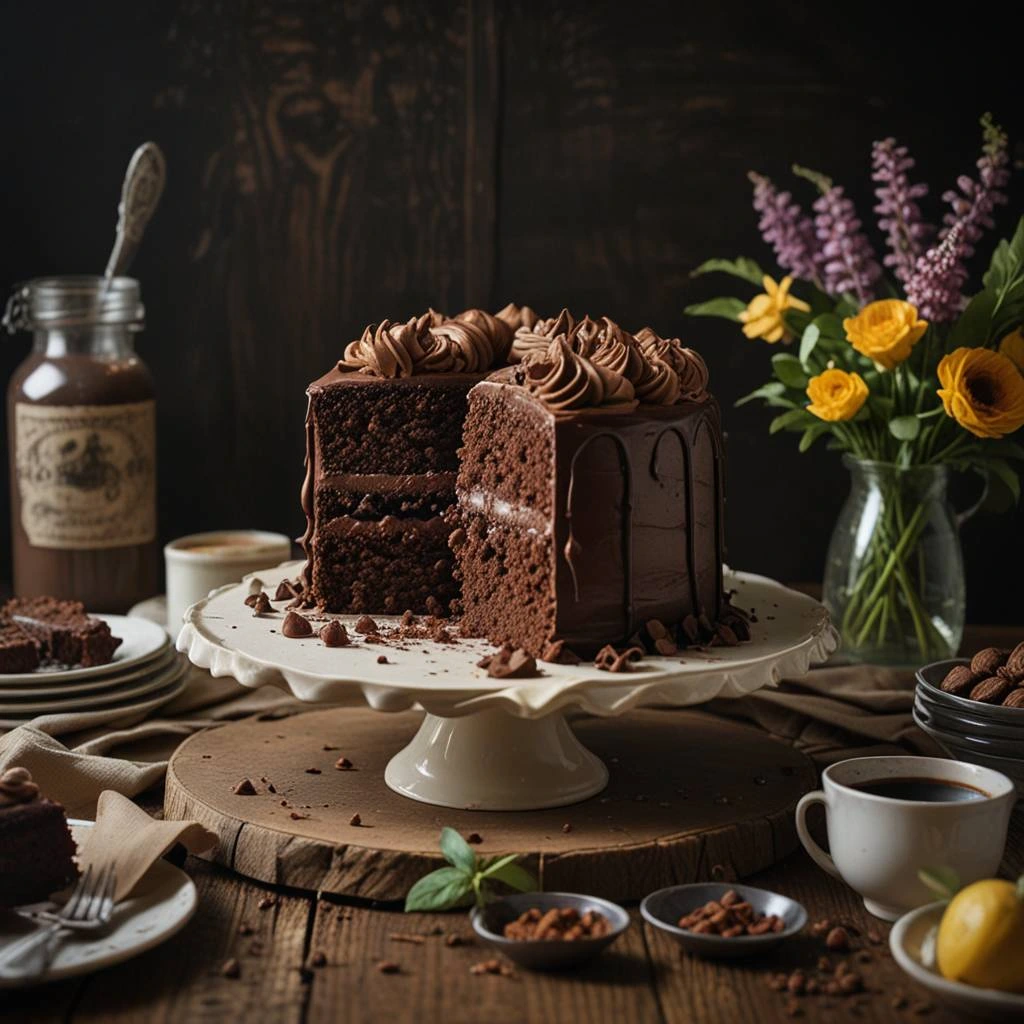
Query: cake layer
point(36, 852)
point(18, 651)
point(373, 496)
point(63, 630)
point(389, 566)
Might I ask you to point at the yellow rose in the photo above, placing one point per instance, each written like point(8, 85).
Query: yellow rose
point(1012, 346)
point(885, 331)
point(836, 395)
point(763, 316)
point(982, 391)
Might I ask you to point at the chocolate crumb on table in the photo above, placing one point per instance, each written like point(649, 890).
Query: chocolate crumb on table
point(389, 967)
point(343, 764)
point(244, 788)
point(355, 820)
point(474, 838)
point(296, 626)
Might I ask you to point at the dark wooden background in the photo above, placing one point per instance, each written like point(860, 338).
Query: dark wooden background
point(335, 162)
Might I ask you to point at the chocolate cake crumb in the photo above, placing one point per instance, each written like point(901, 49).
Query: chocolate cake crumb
point(295, 816)
point(260, 604)
point(355, 820)
point(231, 969)
point(343, 764)
point(388, 967)
point(454, 940)
point(334, 634)
point(313, 771)
point(382, 659)
point(296, 626)
point(509, 663)
point(270, 788)
point(318, 959)
point(474, 838)
point(244, 788)
point(556, 653)
point(366, 625)
point(410, 937)
point(329, 746)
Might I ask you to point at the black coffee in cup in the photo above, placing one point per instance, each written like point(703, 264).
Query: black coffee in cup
point(931, 791)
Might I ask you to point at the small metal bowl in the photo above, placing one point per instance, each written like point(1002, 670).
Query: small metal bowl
point(664, 908)
point(546, 955)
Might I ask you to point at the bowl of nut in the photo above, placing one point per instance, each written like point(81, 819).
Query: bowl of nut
point(546, 931)
point(974, 709)
point(717, 920)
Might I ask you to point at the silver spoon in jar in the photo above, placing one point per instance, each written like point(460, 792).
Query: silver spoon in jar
point(140, 194)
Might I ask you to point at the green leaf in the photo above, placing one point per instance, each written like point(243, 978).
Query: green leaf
point(807, 343)
point(1002, 449)
point(944, 882)
point(1001, 470)
point(812, 433)
point(515, 876)
point(773, 389)
point(974, 327)
point(789, 420)
point(457, 851)
point(439, 890)
point(1007, 261)
point(881, 405)
point(741, 267)
point(831, 326)
point(726, 307)
point(905, 428)
point(789, 371)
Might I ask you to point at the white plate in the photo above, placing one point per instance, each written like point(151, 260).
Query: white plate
point(164, 906)
point(140, 640)
point(53, 687)
point(912, 941)
point(106, 714)
point(150, 683)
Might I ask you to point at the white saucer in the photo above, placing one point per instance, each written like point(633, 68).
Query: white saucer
point(167, 901)
point(151, 683)
point(912, 941)
point(141, 640)
point(132, 706)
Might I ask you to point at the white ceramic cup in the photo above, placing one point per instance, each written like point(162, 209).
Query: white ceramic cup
point(202, 562)
point(878, 843)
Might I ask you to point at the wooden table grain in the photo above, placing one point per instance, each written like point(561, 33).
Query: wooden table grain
point(643, 978)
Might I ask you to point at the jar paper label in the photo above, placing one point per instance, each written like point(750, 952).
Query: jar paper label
point(86, 474)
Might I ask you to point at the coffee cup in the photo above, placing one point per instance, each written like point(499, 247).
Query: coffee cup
point(202, 562)
point(888, 817)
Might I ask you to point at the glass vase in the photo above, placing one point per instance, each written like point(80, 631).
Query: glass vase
point(894, 577)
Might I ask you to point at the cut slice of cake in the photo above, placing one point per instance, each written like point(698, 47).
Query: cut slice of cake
point(62, 630)
point(589, 493)
point(383, 430)
point(18, 651)
point(36, 848)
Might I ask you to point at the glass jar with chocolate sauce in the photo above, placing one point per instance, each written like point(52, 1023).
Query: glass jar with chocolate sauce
point(81, 422)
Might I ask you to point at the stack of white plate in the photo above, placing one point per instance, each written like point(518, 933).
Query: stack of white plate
point(145, 673)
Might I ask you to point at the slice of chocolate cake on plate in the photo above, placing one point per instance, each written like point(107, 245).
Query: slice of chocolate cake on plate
point(62, 631)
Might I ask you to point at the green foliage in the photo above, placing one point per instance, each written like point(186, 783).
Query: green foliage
point(467, 878)
point(905, 428)
point(727, 307)
point(795, 419)
point(811, 335)
point(740, 267)
point(789, 371)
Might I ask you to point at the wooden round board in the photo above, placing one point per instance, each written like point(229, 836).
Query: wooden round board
point(691, 797)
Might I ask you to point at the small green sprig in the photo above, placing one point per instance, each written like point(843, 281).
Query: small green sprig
point(468, 879)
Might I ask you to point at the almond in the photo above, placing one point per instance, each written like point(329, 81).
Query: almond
point(1015, 698)
point(991, 690)
point(986, 661)
point(959, 681)
point(1015, 663)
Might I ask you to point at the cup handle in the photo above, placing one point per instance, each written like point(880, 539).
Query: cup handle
point(818, 855)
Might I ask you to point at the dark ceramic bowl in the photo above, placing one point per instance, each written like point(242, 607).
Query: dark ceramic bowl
point(955, 720)
point(664, 908)
point(543, 955)
point(929, 682)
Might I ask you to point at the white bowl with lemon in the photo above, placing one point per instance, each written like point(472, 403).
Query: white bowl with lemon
point(969, 951)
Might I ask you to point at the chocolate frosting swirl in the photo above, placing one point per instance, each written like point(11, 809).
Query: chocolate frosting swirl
point(517, 316)
point(540, 335)
point(17, 787)
point(689, 367)
point(472, 342)
point(607, 344)
point(565, 381)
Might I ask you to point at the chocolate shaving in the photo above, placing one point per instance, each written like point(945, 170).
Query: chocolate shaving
point(610, 660)
point(296, 626)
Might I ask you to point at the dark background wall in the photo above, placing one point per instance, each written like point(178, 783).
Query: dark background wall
point(335, 162)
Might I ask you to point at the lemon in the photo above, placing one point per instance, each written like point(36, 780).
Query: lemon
point(981, 936)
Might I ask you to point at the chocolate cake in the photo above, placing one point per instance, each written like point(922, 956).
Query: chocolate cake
point(36, 849)
point(589, 490)
point(37, 629)
point(383, 429)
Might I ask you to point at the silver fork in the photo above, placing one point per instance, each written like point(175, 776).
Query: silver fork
point(89, 908)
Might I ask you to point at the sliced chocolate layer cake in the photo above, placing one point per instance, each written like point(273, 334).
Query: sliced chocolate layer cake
point(590, 491)
point(383, 430)
point(36, 849)
point(61, 631)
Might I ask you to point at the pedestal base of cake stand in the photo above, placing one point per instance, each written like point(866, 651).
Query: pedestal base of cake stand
point(494, 761)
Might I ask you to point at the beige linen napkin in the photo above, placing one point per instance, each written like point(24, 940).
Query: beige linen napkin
point(128, 837)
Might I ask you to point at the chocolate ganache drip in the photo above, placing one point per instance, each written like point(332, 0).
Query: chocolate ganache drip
point(565, 381)
point(689, 367)
point(472, 342)
point(539, 336)
point(17, 787)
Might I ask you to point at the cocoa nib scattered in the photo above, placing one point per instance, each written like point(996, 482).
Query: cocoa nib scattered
point(560, 923)
point(556, 653)
point(334, 634)
point(260, 604)
point(244, 788)
point(366, 625)
point(730, 916)
point(296, 626)
point(492, 967)
point(509, 663)
point(610, 660)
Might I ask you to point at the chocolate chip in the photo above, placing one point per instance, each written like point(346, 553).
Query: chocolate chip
point(837, 940)
point(355, 820)
point(296, 626)
point(334, 634)
point(285, 591)
point(365, 625)
point(260, 604)
point(244, 788)
point(343, 764)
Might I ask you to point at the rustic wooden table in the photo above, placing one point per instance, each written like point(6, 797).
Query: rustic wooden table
point(277, 936)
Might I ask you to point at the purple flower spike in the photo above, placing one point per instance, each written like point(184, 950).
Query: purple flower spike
point(900, 216)
point(936, 286)
point(786, 228)
point(849, 264)
point(973, 209)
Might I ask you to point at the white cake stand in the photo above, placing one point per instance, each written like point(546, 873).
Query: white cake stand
point(498, 744)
